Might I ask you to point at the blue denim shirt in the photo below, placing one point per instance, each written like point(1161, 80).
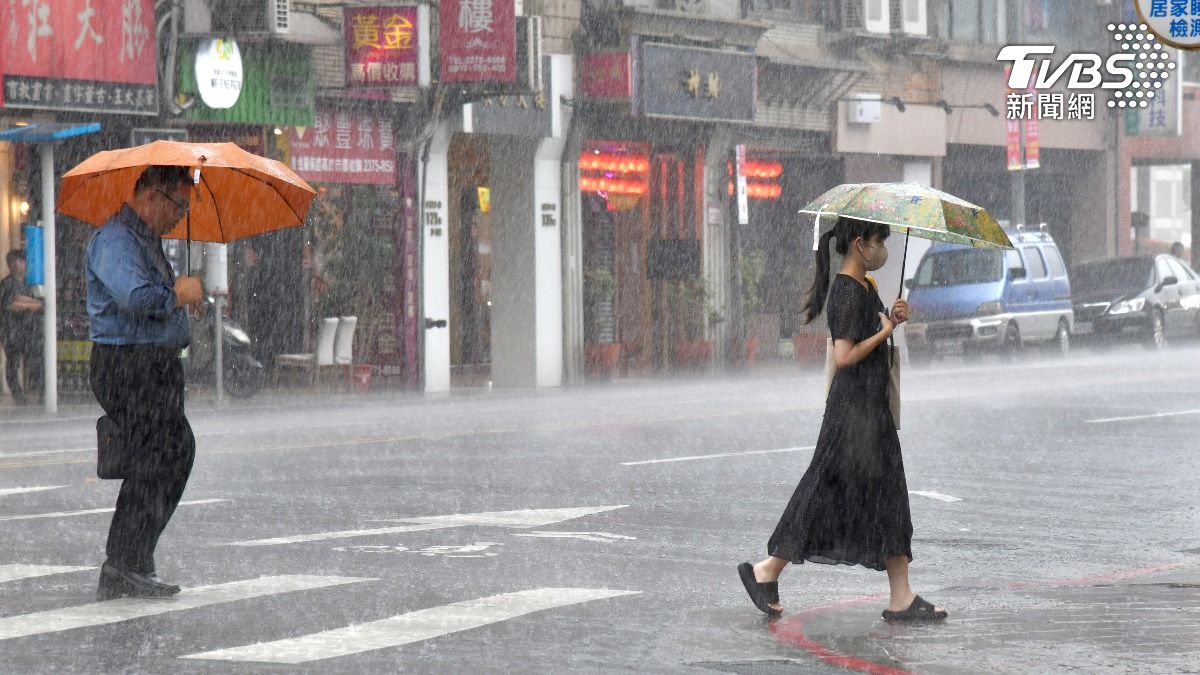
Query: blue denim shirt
point(131, 287)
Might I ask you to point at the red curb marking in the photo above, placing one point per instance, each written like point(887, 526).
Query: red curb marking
point(791, 630)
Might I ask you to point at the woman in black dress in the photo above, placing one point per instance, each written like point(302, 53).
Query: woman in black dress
point(851, 506)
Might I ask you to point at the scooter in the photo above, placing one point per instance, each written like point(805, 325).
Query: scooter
point(243, 375)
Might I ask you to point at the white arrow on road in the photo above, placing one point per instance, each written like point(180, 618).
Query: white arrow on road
point(519, 519)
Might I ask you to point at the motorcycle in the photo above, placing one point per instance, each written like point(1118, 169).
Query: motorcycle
point(243, 375)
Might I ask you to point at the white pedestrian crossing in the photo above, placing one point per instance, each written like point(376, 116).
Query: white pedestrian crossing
point(408, 628)
point(15, 571)
point(519, 519)
point(88, 512)
point(125, 609)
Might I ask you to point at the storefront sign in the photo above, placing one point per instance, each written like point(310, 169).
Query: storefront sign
point(381, 46)
point(1032, 144)
point(523, 115)
point(607, 75)
point(144, 136)
point(345, 147)
point(81, 55)
point(478, 40)
point(693, 83)
point(219, 73)
point(743, 204)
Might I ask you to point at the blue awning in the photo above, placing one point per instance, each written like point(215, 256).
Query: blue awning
point(46, 133)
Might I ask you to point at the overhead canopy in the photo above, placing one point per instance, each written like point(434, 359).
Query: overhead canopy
point(47, 133)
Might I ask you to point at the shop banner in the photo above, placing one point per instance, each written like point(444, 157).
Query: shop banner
point(345, 147)
point(1032, 152)
point(1012, 131)
point(695, 83)
point(86, 55)
point(381, 46)
point(607, 75)
point(478, 40)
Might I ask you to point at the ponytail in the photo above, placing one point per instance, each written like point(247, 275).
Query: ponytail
point(820, 285)
point(846, 230)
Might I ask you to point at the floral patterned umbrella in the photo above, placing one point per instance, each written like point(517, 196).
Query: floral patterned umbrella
point(910, 209)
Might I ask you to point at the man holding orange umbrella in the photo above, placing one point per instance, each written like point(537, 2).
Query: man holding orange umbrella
point(139, 325)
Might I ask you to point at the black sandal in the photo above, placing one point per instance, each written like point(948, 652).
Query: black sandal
point(919, 611)
point(762, 594)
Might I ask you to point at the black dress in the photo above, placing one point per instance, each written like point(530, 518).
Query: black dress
point(851, 506)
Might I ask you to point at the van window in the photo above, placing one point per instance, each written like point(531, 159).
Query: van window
point(1033, 258)
point(958, 266)
point(1057, 267)
point(1012, 260)
point(1179, 271)
point(1163, 270)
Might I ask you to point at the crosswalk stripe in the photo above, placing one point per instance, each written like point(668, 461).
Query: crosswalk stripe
point(518, 519)
point(16, 571)
point(125, 609)
point(22, 490)
point(88, 512)
point(407, 628)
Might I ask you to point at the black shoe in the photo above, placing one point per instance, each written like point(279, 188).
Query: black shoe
point(115, 583)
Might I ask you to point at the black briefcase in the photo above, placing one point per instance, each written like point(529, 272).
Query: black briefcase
point(111, 451)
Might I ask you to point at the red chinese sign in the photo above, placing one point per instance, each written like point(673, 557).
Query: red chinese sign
point(89, 55)
point(478, 40)
point(607, 75)
point(381, 46)
point(345, 147)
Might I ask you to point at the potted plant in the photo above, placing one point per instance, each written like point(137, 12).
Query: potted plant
point(693, 300)
point(601, 351)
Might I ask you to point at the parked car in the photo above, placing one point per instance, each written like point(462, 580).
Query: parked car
point(972, 301)
point(1147, 298)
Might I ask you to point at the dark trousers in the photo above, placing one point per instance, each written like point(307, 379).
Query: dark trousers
point(20, 351)
point(141, 389)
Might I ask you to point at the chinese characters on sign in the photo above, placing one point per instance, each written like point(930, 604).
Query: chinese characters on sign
point(478, 41)
point(607, 75)
point(381, 46)
point(1176, 22)
point(345, 147)
point(696, 83)
point(92, 55)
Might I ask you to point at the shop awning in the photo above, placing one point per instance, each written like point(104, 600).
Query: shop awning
point(46, 133)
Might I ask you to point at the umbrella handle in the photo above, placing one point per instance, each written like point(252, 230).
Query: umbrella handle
point(903, 263)
point(817, 227)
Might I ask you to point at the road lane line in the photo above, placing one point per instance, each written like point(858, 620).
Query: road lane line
point(403, 629)
point(124, 609)
point(723, 454)
point(88, 512)
point(22, 490)
point(42, 453)
point(934, 495)
point(15, 571)
point(520, 519)
point(1144, 417)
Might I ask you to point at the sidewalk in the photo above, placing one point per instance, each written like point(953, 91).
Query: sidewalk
point(1145, 620)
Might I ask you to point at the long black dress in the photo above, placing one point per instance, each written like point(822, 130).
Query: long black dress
point(851, 506)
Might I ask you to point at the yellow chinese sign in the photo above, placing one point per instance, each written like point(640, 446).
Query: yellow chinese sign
point(381, 46)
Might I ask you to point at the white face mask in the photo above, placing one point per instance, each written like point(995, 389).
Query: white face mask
point(875, 255)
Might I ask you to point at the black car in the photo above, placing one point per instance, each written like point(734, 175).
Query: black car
point(1148, 298)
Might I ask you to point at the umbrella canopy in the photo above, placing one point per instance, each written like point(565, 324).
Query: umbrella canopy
point(911, 208)
point(238, 194)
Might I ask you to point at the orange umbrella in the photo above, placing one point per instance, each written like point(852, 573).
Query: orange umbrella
point(238, 194)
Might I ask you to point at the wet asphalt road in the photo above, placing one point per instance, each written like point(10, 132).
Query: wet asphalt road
point(636, 500)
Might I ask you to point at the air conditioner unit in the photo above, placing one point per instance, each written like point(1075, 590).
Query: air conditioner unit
point(238, 17)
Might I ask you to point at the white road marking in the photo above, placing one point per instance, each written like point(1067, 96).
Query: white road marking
point(520, 519)
point(934, 495)
point(39, 453)
point(602, 537)
point(124, 609)
point(16, 571)
point(404, 629)
point(88, 512)
point(1144, 417)
point(18, 491)
point(723, 454)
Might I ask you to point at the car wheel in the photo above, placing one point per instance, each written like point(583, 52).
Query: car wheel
point(1156, 332)
point(1012, 343)
point(1061, 346)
